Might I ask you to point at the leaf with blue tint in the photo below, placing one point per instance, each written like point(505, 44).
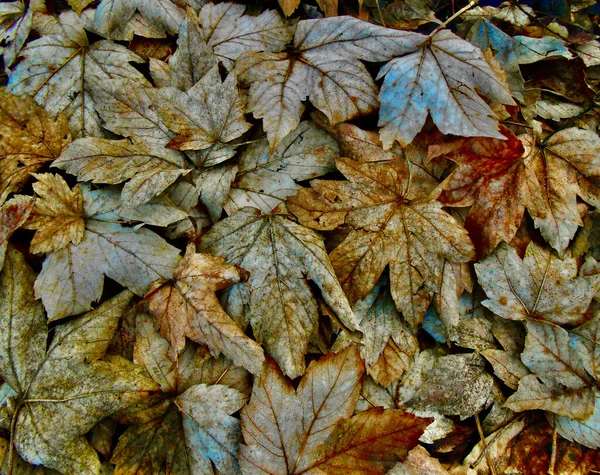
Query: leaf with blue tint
point(586, 432)
point(442, 77)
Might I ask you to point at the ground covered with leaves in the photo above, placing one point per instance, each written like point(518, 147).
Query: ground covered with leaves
point(354, 237)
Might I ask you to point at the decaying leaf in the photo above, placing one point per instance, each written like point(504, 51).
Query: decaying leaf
point(491, 178)
point(72, 278)
point(539, 287)
point(63, 391)
point(210, 114)
point(442, 77)
point(28, 139)
point(13, 215)
point(392, 224)
point(189, 425)
point(324, 68)
point(567, 165)
point(188, 306)
point(327, 439)
point(264, 179)
point(61, 72)
point(280, 255)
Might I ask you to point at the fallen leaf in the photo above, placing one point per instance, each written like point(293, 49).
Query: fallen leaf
point(60, 395)
point(72, 278)
point(280, 256)
point(327, 438)
point(264, 180)
point(392, 224)
point(61, 72)
point(492, 178)
point(324, 68)
point(188, 306)
point(210, 114)
point(441, 76)
point(28, 139)
point(13, 215)
point(57, 215)
point(567, 164)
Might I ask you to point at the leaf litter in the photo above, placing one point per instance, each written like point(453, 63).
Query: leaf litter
point(295, 238)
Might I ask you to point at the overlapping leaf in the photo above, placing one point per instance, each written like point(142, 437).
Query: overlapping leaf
point(280, 255)
point(61, 71)
point(188, 306)
point(28, 139)
point(63, 391)
point(443, 78)
point(323, 67)
point(72, 277)
point(392, 223)
point(326, 439)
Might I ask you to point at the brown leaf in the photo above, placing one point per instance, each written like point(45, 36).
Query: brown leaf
point(28, 139)
point(288, 6)
point(393, 223)
point(492, 178)
point(188, 306)
point(57, 215)
point(13, 215)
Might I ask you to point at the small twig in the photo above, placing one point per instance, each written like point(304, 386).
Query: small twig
point(488, 459)
point(471, 4)
point(553, 455)
point(367, 399)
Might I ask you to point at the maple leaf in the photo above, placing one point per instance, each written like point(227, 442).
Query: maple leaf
point(492, 177)
point(192, 60)
point(264, 180)
point(567, 165)
point(147, 166)
point(188, 306)
point(442, 77)
point(280, 255)
point(72, 277)
point(61, 392)
point(61, 72)
point(163, 15)
point(393, 223)
point(539, 287)
point(513, 51)
point(210, 114)
point(388, 346)
point(323, 67)
point(190, 423)
point(57, 215)
point(231, 33)
point(28, 139)
point(327, 439)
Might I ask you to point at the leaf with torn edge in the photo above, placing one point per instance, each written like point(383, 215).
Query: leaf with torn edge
point(28, 139)
point(443, 77)
point(324, 67)
point(72, 277)
point(280, 256)
point(210, 114)
point(13, 215)
point(539, 287)
point(392, 223)
point(61, 72)
point(327, 439)
point(61, 392)
point(188, 306)
point(264, 179)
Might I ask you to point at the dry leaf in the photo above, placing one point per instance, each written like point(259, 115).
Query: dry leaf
point(280, 255)
point(28, 139)
point(188, 306)
point(392, 224)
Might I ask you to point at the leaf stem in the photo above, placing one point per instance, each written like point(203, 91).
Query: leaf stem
point(488, 459)
point(470, 5)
